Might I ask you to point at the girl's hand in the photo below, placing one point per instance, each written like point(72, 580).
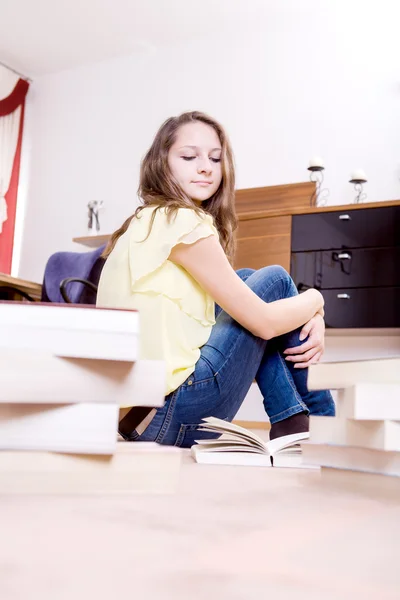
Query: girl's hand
point(311, 351)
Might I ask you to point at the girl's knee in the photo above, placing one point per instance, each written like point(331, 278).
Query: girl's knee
point(276, 271)
point(274, 274)
point(245, 273)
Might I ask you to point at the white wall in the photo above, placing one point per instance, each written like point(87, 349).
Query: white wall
point(324, 82)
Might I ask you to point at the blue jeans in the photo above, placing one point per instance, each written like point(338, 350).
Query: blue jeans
point(229, 362)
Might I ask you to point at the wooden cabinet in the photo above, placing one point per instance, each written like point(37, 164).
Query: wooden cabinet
point(262, 242)
point(351, 253)
point(264, 232)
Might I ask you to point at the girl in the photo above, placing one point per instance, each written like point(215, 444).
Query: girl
point(172, 260)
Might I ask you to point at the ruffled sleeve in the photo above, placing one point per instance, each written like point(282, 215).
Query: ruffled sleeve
point(147, 253)
point(150, 269)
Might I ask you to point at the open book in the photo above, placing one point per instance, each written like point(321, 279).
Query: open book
point(239, 446)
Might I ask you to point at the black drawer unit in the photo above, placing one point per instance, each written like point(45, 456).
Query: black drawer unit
point(363, 228)
point(364, 267)
point(362, 307)
point(353, 258)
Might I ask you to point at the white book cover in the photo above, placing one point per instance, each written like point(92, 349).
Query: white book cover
point(134, 468)
point(369, 401)
point(350, 457)
point(239, 446)
point(338, 375)
point(41, 378)
point(74, 428)
point(340, 431)
point(70, 330)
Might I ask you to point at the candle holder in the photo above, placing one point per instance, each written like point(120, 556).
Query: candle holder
point(320, 196)
point(359, 188)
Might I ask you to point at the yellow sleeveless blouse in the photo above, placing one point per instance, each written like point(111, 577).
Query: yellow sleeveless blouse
point(176, 314)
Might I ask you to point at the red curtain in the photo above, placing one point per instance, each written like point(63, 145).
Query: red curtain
point(7, 106)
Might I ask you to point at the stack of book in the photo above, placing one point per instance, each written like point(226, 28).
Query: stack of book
point(362, 443)
point(65, 372)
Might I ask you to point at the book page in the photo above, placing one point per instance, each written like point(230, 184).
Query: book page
point(286, 441)
point(216, 447)
point(220, 426)
point(235, 438)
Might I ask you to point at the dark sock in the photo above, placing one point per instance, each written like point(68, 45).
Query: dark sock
point(297, 423)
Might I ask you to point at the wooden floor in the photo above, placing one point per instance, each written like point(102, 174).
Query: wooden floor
point(228, 533)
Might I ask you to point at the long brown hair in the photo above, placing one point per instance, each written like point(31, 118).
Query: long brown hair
point(158, 188)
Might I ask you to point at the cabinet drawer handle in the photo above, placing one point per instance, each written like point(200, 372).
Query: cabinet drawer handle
point(343, 296)
point(344, 256)
point(345, 217)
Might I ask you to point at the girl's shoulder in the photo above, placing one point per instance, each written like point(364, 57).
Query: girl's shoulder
point(167, 230)
point(150, 242)
point(161, 219)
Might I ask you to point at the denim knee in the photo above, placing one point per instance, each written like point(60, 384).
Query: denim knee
point(245, 273)
point(275, 274)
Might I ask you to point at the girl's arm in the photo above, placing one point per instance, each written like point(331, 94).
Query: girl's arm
point(206, 261)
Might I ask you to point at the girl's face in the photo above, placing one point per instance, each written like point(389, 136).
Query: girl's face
point(195, 160)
